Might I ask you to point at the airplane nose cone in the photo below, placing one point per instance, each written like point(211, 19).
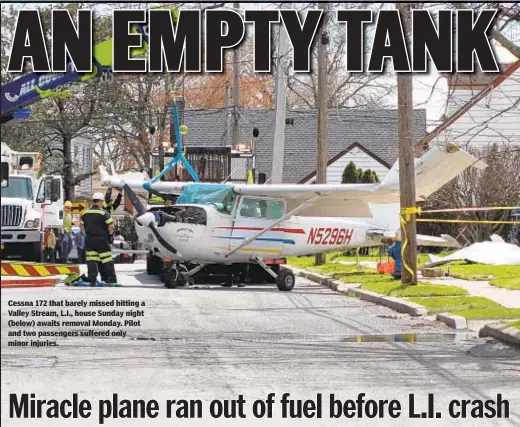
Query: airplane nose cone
point(146, 220)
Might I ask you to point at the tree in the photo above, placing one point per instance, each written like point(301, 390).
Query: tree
point(142, 101)
point(369, 177)
point(209, 90)
point(507, 18)
point(350, 174)
point(353, 175)
point(346, 90)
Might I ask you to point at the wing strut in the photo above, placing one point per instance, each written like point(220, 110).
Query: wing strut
point(274, 224)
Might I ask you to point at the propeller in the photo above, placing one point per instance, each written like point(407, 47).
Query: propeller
point(147, 219)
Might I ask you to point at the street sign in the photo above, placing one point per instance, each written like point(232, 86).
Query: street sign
point(79, 207)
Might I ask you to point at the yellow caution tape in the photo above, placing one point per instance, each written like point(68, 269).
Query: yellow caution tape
point(406, 213)
point(464, 221)
point(494, 208)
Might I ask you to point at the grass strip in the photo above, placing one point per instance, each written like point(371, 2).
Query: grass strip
point(472, 308)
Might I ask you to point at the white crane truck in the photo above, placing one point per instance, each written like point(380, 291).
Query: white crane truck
point(29, 204)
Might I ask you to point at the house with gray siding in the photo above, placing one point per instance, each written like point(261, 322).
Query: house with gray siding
point(367, 137)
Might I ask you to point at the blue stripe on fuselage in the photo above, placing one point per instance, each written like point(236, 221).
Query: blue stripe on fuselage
point(264, 239)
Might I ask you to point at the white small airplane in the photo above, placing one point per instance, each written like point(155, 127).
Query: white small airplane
point(230, 224)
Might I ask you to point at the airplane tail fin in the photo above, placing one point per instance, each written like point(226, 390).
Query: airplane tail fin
point(118, 181)
point(434, 169)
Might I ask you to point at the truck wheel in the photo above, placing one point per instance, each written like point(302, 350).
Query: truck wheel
point(36, 254)
point(285, 280)
point(154, 265)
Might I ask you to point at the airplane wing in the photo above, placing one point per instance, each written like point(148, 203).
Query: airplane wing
point(436, 168)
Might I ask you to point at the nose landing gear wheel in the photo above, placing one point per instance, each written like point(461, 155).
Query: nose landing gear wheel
point(285, 280)
point(171, 278)
point(179, 275)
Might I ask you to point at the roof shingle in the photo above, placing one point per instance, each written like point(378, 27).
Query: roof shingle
point(374, 129)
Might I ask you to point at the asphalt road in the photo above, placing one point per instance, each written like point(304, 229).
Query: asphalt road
point(215, 343)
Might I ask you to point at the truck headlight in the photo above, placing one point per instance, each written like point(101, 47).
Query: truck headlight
point(32, 224)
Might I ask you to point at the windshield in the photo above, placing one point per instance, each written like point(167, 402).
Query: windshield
point(220, 196)
point(18, 187)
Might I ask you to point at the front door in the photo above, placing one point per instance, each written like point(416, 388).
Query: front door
point(253, 215)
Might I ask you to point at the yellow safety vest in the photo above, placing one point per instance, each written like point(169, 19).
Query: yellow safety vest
point(154, 199)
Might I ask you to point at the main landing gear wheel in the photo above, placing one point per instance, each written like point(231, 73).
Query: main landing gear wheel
point(179, 275)
point(285, 280)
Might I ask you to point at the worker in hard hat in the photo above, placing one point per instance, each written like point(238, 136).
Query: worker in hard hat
point(97, 225)
point(66, 237)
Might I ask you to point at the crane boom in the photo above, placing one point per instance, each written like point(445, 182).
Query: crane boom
point(30, 88)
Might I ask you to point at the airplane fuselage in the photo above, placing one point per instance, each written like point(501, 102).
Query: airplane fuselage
point(209, 235)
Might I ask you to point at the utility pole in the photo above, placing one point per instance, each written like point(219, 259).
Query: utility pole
point(281, 103)
point(322, 152)
point(236, 90)
point(227, 104)
point(407, 162)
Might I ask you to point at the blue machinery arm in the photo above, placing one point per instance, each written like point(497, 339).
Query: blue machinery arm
point(179, 157)
point(30, 88)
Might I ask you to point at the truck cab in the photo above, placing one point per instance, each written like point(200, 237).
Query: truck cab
point(26, 200)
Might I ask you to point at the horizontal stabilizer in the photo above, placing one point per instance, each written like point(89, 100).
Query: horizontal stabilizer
point(434, 169)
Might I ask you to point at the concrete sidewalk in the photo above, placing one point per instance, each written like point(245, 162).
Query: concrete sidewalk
point(507, 297)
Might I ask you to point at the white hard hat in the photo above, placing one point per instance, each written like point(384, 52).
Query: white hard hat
point(98, 196)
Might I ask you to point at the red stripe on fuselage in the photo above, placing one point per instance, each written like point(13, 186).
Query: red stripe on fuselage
point(285, 230)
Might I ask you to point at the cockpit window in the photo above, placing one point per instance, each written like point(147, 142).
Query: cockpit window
point(262, 208)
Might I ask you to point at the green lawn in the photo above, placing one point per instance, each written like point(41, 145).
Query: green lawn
point(384, 284)
point(436, 298)
point(472, 308)
point(308, 261)
point(423, 289)
point(515, 324)
point(337, 256)
point(503, 276)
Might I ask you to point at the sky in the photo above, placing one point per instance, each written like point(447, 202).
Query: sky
point(434, 101)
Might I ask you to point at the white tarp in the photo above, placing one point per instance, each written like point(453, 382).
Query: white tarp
point(495, 252)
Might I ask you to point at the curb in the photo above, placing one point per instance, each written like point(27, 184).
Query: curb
point(396, 304)
point(453, 321)
point(508, 335)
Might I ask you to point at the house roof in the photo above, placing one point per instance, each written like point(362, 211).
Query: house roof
point(375, 130)
point(423, 144)
point(341, 154)
point(476, 80)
